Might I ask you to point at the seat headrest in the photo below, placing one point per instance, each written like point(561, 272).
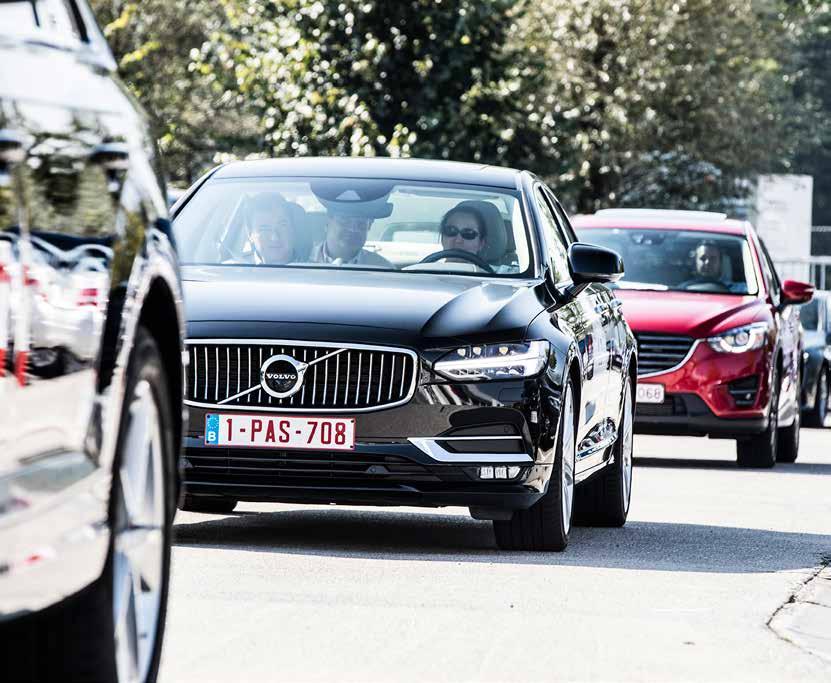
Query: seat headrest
point(303, 238)
point(497, 240)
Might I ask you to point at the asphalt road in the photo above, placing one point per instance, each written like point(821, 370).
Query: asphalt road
point(685, 591)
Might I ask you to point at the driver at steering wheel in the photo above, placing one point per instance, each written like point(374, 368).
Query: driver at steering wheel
point(708, 268)
point(707, 262)
point(463, 229)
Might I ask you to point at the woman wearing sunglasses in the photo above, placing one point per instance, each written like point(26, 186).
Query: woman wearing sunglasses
point(463, 227)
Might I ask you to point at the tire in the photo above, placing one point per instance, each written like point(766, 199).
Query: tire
point(788, 447)
point(816, 416)
point(547, 523)
point(208, 504)
point(760, 450)
point(604, 499)
point(84, 637)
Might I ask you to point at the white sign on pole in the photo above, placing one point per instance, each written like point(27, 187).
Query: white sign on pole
point(783, 217)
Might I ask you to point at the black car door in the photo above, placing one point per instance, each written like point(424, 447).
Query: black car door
point(585, 316)
point(615, 328)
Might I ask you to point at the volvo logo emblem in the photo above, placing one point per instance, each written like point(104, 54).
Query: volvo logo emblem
point(282, 376)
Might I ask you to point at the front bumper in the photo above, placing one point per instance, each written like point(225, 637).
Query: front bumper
point(688, 415)
point(704, 396)
point(425, 453)
point(372, 474)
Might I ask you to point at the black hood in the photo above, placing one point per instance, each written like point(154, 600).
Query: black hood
point(349, 305)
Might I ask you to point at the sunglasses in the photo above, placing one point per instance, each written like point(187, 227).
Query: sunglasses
point(466, 233)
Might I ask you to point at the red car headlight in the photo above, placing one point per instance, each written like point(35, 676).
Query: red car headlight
point(740, 339)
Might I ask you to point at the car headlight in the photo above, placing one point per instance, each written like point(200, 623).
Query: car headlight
point(740, 339)
point(494, 361)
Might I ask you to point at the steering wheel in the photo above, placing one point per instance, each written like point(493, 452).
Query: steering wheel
point(458, 253)
point(708, 285)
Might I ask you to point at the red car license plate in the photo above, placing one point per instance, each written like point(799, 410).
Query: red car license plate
point(280, 431)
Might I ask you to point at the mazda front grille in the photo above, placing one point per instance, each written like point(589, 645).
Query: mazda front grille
point(661, 352)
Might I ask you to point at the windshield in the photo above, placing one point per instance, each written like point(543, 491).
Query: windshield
point(355, 223)
point(809, 315)
point(680, 260)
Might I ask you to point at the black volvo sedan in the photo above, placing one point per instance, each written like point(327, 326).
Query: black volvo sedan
point(403, 332)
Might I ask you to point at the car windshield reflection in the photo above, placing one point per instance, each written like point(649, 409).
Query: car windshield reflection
point(353, 223)
point(680, 260)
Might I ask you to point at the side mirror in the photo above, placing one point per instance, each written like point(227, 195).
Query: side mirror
point(795, 292)
point(589, 263)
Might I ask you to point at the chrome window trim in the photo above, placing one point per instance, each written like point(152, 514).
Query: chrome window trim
point(694, 346)
point(322, 344)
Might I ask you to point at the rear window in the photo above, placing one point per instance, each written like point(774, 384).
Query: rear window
point(680, 260)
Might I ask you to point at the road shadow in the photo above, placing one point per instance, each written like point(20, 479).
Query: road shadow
point(655, 546)
point(716, 464)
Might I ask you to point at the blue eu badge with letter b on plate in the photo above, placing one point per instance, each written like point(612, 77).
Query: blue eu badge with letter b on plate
point(211, 429)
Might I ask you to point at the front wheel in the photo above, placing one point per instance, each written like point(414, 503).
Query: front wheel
point(817, 415)
point(112, 630)
point(546, 524)
point(604, 499)
point(760, 450)
point(788, 448)
point(142, 514)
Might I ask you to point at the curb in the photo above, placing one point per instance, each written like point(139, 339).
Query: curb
point(805, 620)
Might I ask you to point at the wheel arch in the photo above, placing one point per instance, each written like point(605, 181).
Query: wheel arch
point(160, 316)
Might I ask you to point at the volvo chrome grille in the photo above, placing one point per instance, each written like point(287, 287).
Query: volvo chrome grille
point(661, 352)
point(292, 376)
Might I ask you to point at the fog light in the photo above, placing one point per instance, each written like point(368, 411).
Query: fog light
point(500, 472)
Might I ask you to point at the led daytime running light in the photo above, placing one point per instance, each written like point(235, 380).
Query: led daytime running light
point(740, 339)
point(494, 361)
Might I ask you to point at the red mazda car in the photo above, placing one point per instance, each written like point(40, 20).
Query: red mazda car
point(719, 339)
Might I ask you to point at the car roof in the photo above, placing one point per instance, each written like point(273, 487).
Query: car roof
point(704, 221)
point(373, 167)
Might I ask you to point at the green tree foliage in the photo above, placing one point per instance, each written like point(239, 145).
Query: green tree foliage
point(672, 100)
point(449, 79)
point(809, 28)
point(616, 102)
point(152, 41)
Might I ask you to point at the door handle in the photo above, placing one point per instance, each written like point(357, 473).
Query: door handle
point(12, 146)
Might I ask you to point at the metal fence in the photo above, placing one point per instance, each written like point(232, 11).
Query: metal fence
point(813, 269)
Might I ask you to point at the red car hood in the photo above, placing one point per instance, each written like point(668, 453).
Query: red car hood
point(685, 313)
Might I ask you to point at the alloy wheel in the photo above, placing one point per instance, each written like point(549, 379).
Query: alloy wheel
point(627, 447)
point(568, 454)
point(138, 557)
point(774, 416)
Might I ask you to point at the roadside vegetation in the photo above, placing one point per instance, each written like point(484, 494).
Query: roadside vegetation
point(665, 102)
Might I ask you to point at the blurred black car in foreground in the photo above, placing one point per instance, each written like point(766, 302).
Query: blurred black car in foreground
point(403, 332)
point(91, 377)
point(816, 359)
